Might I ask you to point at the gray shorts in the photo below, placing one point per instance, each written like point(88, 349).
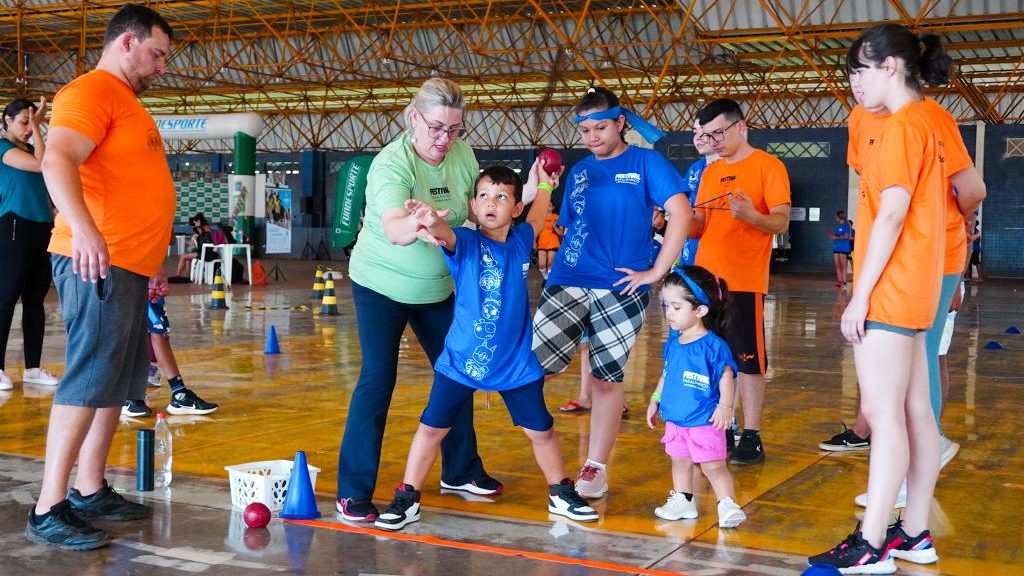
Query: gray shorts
point(107, 335)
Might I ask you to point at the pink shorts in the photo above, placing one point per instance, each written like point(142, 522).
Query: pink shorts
point(698, 443)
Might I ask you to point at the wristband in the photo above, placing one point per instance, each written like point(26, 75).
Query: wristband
point(656, 396)
point(720, 405)
point(546, 187)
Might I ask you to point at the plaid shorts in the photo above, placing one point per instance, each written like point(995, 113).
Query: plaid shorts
point(611, 321)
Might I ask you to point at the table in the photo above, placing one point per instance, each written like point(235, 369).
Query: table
point(226, 252)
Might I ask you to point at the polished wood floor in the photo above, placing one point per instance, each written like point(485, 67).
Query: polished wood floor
point(799, 501)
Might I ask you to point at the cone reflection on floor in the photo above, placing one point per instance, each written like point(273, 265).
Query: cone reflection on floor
point(217, 300)
point(318, 283)
point(329, 306)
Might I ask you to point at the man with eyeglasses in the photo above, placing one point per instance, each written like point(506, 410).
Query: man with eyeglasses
point(692, 179)
point(742, 201)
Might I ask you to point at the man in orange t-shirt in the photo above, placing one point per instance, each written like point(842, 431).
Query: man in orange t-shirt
point(107, 173)
point(742, 201)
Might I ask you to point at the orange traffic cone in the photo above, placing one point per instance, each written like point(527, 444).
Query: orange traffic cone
point(217, 300)
point(329, 306)
point(318, 283)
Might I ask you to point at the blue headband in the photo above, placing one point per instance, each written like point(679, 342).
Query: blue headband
point(695, 289)
point(648, 131)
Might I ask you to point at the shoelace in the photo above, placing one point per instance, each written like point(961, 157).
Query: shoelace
point(65, 513)
point(589, 473)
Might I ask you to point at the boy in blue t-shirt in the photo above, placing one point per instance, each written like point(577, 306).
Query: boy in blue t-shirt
point(489, 346)
point(842, 245)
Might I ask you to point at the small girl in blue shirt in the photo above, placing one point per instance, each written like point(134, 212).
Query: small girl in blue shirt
point(696, 391)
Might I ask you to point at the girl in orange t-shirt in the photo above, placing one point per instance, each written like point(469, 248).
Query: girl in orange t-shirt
point(548, 242)
point(897, 279)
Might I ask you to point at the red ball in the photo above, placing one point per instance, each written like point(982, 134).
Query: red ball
point(550, 160)
point(256, 515)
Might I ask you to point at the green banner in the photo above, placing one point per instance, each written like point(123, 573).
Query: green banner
point(349, 198)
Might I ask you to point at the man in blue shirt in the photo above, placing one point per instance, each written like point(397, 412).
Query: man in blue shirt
point(692, 179)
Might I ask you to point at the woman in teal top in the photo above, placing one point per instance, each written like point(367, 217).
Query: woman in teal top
point(398, 281)
point(25, 223)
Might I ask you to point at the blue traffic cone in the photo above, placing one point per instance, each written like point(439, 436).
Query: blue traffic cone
point(993, 345)
point(821, 570)
point(1013, 330)
point(299, 501)
point(272, 346)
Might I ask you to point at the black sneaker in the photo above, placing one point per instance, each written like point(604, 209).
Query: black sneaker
point(403, 510)
point(846, 441)
point(356, 509)
point(749, 450)
point(136, 409)
point(106, 504)
point(855, 556)
point(188, 402)
point(482, 486)
point(565, 501)
point(918, 550)
point(64, 529)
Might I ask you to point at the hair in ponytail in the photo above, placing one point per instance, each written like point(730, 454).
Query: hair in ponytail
point(924, 56)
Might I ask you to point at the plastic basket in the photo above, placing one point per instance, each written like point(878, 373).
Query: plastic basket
point(265, 482)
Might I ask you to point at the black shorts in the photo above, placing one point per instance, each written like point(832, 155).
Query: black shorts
point(745, 332)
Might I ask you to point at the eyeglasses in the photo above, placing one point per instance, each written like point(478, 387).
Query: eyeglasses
point(715, 136)
point(435, 131)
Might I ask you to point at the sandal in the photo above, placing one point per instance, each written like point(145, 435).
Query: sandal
point(573, 406)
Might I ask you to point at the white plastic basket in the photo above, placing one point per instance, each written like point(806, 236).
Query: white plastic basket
point(265, 482)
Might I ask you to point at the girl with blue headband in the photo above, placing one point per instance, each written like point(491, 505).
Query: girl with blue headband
point(599, 281)
point(696, 391)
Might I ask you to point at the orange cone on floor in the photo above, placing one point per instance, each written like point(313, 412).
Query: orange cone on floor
point(318, 283)
point(217, 300)
point(329, 305)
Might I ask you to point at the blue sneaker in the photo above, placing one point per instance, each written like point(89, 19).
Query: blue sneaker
point(64, 529)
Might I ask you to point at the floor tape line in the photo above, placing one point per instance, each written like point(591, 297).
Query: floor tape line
point(435, 541)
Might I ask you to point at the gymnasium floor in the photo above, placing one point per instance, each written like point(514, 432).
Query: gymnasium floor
point(799, 501)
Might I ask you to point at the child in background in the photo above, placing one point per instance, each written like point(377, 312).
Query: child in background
point(489, 346)
point(183, 400)
point(549, 241)
point(695, 394)
point(842, 237)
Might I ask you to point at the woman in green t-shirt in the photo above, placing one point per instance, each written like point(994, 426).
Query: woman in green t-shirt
point(25, 223)
point(397, 281)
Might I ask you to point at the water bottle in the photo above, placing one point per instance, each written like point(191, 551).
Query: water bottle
point(162, 453)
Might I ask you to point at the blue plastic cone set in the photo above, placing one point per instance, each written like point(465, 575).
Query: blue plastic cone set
point(272, 346)
point(299, 501)
point(995, 345)
point(821, 570)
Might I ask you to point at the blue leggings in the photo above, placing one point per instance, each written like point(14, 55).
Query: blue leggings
point(932, 340)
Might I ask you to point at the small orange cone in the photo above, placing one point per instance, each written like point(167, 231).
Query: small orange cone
point(217, 300)
point(329, 306)
point(318, 283)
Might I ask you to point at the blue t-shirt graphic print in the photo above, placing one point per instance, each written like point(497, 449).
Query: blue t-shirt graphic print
point(606, 212)
point(489, 346)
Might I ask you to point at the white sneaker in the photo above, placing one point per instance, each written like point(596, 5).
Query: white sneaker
point(730, 515)
point(592, 481)
point(949, 451)
point(40, 376)
point(5, 381)
point(677, 507)
point(901, 498)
